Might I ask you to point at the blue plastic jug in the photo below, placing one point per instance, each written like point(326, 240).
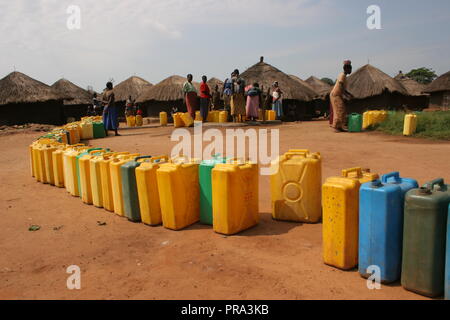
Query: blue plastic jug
point(381, 225)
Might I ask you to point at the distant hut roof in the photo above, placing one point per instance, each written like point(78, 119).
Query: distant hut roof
point(20, 88)
point(413, 87)
point(133, 86)
point(303, 82)
point(369, 81)
point(440, 84)
point(213, 82)
point(72, 94)
point(266, 75)
point(322, 88)
point(170, 89)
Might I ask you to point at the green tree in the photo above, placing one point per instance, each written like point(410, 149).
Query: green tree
point(328, 80)
point(422, 75)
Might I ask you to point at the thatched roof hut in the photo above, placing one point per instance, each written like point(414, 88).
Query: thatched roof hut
point(25, 100)
point(322, 88)
point(439, 91)
point(76, 99)
point(164, 95)
point(213, 82)
point(374, 89)
point(297, 97)
point(133, 86)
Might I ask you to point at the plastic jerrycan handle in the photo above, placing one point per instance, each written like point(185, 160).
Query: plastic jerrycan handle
point(430, 185)
point(298, 151)
point(159, 159)
point(238, 161)
point(142, 157)
point(180, 159)
point(395, 175)
point(346, 172)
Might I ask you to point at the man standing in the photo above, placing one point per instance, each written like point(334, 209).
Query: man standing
point(337, 98)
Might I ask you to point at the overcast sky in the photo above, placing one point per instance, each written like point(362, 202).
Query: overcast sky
point(158, 38)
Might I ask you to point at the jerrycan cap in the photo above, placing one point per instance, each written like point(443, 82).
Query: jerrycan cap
point(376, 184)
point(425, 191)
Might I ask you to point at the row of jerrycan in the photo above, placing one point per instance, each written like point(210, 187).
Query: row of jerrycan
point(134, 121)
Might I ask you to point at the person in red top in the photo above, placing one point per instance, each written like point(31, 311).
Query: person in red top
point(205, 97)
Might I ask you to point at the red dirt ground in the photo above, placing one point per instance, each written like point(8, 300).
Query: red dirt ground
point(124, 260)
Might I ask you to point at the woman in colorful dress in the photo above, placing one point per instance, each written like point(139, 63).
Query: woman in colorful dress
point(190, 96)
point(238, 97)
point(110, 120)
point(277, 105)
point(254, 101)
point(205, 97)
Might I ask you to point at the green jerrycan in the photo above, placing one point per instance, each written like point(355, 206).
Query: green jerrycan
point(424, 237)
point(355, 122)
point(205, 176)
point(129, 189)
point(99, 130)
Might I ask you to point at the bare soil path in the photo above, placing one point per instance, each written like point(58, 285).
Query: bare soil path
point(124, 260)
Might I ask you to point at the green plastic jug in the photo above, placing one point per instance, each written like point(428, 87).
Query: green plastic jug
point(129, 189)
point(424, 237)
point(355, 121)
point(99, 130)
point(204, 172)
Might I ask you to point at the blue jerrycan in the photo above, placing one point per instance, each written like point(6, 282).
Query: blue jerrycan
point(381, 225)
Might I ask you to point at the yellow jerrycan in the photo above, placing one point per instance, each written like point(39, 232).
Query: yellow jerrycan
point(70, 168)
point(105, 177)
point(87, 130)
point(365, 124)
point(131, 121)
point(223, 116)
point(271, 115)
point(198, 116)
point(38, 154)
point(410, 125)
point(163, 118)
point(95, 173)
point(178, 120)
point(116, 181)
point(58, 166)
point(296, 187)
point(74, 133)
point(187, 119)
point(48, 161)
point(179, 193)
point(30, 154)
point(340, 223)
point(139, 121)
point(84, 164)
point(235, 197)
point(147, 187)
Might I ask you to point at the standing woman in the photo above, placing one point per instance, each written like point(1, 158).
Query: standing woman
point(205, 97)
point(110, 119)
point(337, 98)
point(238, 97)
point(254, 100)
point(277, 100)
point(190, 96)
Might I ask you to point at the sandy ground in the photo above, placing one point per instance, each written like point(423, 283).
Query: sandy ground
point(124, 260)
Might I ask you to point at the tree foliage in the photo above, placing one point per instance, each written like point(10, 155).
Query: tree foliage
point(422, 75)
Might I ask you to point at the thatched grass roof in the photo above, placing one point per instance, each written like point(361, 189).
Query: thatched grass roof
point(440, 84)
point(303, 82)
point(266, 75)
point(369, 81)
point(319, 86)
point(170, 89)
point(72, 94)
point(20, 88)
point(133, 86)
point(213, 82)
point(413, 87)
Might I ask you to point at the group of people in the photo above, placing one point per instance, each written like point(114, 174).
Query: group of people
point(241, 101)
point(131, 108)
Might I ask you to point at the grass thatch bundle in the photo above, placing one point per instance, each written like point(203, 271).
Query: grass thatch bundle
point(265, 75)
point(72, 94)
point(20, 88)
point(170, 89)
point(442, 83)
point(132, 86)
point(413, 87)
point(369, 81)
point(319, 86)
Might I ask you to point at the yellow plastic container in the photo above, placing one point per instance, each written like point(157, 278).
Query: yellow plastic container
point(341, 217)
point(39, 164)
point(131, 121)
point(235, 197)
point(105, 177)
point(270, 115)
point(30, 154)
point(410, 125)
point(84, 165)
point(223, 116)
point(198, 116)
point(48, 161)
point(187, 119)
point(179, 194)
point(96, 179)
point(296, 187)
point(178, 120)
point(260, 114)
point(58, 167)
point(163, 118)
point(116, 181)
point(366, 122)
point(139, 121)
point(87, 130)
point(147, 187)
point(74, 133)
point(70, 169)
